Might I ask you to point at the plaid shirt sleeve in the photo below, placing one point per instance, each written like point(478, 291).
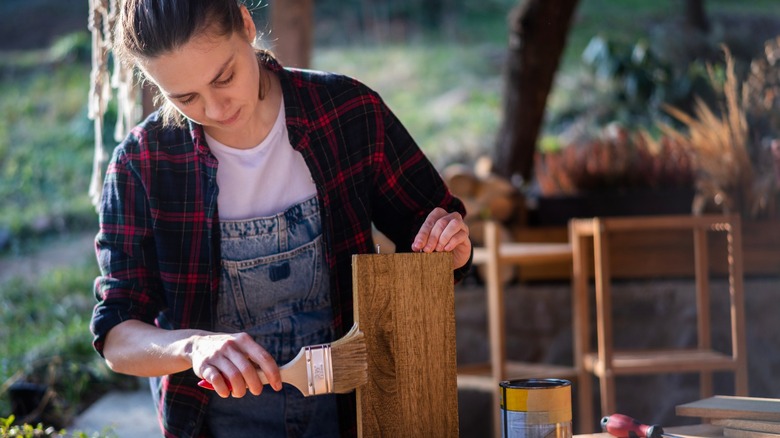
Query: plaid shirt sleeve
point(403, 165)
point(123, 251)
point(406, 184)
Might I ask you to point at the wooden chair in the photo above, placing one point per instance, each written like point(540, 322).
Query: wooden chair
point(607, 363)
point(495, 255)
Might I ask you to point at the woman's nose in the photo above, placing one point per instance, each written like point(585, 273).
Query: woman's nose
point(217, 108)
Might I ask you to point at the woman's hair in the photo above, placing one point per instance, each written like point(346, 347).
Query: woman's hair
point(149, 28)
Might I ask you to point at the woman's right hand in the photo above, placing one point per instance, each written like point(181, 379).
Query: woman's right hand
point(231, 361)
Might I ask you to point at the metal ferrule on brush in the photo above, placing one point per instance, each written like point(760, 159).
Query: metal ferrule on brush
point(319, 369)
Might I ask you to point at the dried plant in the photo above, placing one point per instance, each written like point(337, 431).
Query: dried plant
point(725, 151)
point(730, 166)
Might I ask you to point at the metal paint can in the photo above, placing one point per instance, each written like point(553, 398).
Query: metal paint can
point(536, 408)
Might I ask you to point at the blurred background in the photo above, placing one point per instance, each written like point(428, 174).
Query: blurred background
point(638, 100)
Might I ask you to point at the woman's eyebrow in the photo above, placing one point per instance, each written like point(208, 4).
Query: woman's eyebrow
point(216, 79)
point(222, 70)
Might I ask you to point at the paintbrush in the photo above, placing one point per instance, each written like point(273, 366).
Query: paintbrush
point(336, 367)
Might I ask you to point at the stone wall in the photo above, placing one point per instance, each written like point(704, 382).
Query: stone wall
point(647, 314)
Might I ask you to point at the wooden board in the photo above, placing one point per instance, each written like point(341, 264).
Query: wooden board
point(754, 425)
point(689, 431)
point(405, 305)
point(739, 433)
point(721, 406)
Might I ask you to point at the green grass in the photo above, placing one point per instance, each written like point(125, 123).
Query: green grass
point(46, 339)
point(60, 310)
point(46, 146)
point(448, 103)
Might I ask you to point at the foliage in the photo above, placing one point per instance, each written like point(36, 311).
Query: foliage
point(9, 429)
point(74, 47)
point(628, 84)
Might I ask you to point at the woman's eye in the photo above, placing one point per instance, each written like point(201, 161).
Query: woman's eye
point(225, 81)
point(187, 101)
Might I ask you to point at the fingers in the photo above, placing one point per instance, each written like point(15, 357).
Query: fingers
point(222, 376)
point(424, 241)
point(266, 364)
point(238, 369)
point(444, 231)
point(233, 363)
point(455, 233)
point(441, 231)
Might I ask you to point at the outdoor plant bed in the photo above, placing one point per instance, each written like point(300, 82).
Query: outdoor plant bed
point(559, 209)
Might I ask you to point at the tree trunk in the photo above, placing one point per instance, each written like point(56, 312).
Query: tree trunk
point(538, 30)
point(292, 29)
point(695, 16)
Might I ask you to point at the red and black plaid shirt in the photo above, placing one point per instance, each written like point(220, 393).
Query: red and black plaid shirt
point(158, 244)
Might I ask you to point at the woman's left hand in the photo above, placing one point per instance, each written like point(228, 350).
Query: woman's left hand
point(444, 231)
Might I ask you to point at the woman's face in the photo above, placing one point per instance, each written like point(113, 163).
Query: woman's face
point(212, 80)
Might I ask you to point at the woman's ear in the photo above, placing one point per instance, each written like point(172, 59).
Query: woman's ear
point(250, 30)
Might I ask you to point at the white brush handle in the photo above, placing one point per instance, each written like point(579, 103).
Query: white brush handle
point(311, 371)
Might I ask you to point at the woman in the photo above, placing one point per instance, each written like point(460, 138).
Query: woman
point(228, 219)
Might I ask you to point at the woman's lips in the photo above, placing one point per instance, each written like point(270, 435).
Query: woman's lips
point(231, 119)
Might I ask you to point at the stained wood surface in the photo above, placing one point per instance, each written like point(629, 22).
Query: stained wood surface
point(754, 425)
point(405, 305)
point(744, 408)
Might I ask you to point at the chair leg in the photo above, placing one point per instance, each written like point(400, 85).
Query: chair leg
point(581, 333)
point(496, 329)
point(736, 291)
point(604, 318)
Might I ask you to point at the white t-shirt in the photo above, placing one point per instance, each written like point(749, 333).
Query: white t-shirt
point(264, 180)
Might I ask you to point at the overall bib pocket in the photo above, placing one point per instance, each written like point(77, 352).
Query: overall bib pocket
point(258, 291)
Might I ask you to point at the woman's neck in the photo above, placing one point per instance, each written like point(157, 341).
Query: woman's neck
point(263, 119)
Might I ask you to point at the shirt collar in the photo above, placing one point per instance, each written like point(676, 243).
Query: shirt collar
point(298, 123)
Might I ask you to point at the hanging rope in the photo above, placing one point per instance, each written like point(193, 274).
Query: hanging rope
point(102, 18)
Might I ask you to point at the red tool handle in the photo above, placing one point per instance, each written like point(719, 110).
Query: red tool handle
point(623, 426)
point(205, 384)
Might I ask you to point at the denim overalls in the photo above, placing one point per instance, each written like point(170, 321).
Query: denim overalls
point(275, 286)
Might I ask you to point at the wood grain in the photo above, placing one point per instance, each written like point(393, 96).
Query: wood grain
point(405, 305)
point(744, 408)
point(754, 425)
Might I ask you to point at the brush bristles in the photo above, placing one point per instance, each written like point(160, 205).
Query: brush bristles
point(350, 361)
